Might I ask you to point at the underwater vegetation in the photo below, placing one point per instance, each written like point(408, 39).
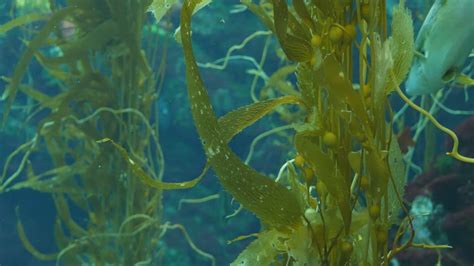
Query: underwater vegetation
point(102, 86)
point(338, 198)
point(344, 146)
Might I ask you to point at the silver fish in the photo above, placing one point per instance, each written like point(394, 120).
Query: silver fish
point(443, 44)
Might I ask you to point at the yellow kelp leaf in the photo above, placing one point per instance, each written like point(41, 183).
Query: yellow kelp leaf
point(296, 48)
point(303, 13)
point(355, 161)
point(280, 18)
point(402, 44)
point(339, 87)
point(395, 54)
point(329, 227)
point(379, 174)
point(382, 67)
point(262, 251)
point(235, 121)
point(273, 203)
point(147, 179)
point(301, 248)
point(306, 84)
point(299, 189)
point(160, 7)
point(359, 220)
point(326, 7)
point(337, 185)
point(398, 179)
point(297, 29)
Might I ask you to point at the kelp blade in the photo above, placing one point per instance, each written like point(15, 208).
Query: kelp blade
point(273, 203)
point(147, 179)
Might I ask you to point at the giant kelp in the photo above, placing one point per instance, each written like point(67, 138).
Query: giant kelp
point(333, 204)
point(346, 149)
point(105, 87)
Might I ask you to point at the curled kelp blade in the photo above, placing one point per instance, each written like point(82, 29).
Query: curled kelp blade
point(273, 203)
point(235, 121)
point(231, 123)
point(147, 179)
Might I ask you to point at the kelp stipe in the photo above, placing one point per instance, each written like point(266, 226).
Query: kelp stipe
point(346, 149)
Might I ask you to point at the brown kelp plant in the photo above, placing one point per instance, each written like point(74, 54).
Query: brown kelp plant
point(106, 89)
point(335, 201)
point(347, 152)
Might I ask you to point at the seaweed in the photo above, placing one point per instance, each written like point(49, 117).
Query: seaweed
point(104, 87)
point(346, 150)
point(334, 201)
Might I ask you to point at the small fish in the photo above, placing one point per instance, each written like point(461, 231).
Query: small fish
point(443, 44)
point(405, 140)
